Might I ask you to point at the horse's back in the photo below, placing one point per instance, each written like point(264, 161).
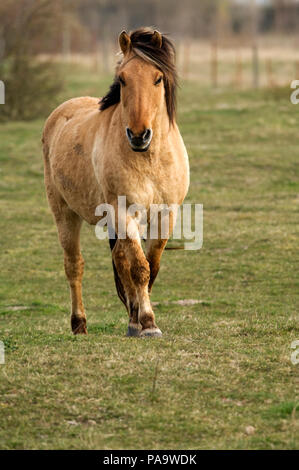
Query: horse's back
point(65, 112)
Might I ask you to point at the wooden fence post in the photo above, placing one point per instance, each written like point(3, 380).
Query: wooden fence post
point(269, 69)
point(214, 64)
point(186, 59)
point(238, 79)
point(255, 66)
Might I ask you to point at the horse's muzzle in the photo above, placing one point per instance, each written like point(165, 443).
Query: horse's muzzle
point(141, 142)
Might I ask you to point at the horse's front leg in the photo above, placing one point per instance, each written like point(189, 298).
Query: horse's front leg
point(134, 270)
point(125, 287)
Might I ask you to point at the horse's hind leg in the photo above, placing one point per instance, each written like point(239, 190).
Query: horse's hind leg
point(74, 267)
point(155, 246)
point(154, 250)
point(69, 225)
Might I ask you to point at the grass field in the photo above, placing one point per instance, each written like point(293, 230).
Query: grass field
point(221, 377)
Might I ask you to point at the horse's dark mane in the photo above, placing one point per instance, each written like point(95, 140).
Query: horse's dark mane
point(163, 58)
point(112, 97)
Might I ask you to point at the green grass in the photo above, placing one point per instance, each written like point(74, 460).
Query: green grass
point(223, 364)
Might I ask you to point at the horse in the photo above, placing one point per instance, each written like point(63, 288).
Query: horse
point(128, 144)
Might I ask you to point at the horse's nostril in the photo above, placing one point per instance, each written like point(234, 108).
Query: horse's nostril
point(129, 133)
point(146, 135)
point(139, 140)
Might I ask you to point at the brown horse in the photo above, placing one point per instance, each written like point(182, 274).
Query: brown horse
point(130, 147)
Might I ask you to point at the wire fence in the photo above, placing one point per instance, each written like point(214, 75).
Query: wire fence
point(211, 63)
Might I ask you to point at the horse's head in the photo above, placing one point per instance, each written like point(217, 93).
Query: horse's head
point(145, 82)
point(142, 92)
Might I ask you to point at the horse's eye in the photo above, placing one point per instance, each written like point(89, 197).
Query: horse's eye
point(122, 81)
point(158, 81)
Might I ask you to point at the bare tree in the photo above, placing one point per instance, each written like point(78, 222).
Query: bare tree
point(30, 84)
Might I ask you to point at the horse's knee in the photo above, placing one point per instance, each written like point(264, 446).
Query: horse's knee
point(118, 256)
point(140, 273)
point(130, 261)
point(120, 260)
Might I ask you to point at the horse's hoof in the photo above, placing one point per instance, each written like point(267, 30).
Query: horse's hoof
point(151, 333)
point(79, 326)
point(133, 330)
point(80, 330)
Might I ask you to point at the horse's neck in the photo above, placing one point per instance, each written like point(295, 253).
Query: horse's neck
point(161, 129)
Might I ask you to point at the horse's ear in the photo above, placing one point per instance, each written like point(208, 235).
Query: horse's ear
point(124, 42)
point(157, 39)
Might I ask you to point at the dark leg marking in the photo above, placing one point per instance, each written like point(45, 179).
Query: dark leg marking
point(134, 327)
point(78, 325)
